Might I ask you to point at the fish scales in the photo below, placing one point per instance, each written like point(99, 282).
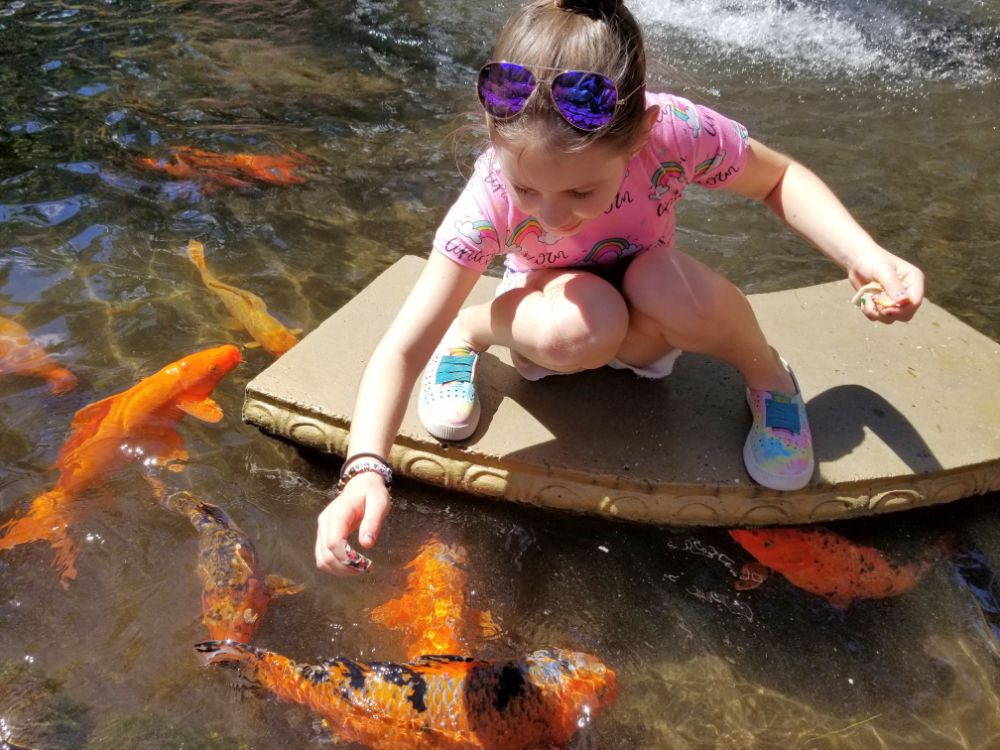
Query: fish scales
point(440, 702)
point(435, 613)
point(832, 566)
point(235, 595)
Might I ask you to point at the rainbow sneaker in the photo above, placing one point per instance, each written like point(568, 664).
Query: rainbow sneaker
point(448, 406)
point(778, 452)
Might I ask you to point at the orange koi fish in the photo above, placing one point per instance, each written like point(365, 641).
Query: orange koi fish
point(234, 594)
point(137, 424)
point(231, 170)
point(437, 702)
point(275, 170)
point(828, 564)
point(20, 355)
point(211, 180)
point(434, 613)
point(248, 309)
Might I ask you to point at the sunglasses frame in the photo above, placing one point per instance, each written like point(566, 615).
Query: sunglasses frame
point(550, 85)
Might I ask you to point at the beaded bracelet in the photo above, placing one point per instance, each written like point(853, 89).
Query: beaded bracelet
point(353, 467)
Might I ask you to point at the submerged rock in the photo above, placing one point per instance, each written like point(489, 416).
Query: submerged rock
point(157, 732)
point(35, 714)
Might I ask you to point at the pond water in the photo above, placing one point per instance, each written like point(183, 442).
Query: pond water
point(895, 104)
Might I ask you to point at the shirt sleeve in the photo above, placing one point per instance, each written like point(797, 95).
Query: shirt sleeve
point(469, 234)
point(707, 148)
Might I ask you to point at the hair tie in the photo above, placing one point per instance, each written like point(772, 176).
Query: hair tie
point(596, 9)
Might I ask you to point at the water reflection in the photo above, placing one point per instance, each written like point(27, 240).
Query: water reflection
point(895, 105)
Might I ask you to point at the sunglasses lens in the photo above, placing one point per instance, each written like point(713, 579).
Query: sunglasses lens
point(586, 100)
point(504, 88)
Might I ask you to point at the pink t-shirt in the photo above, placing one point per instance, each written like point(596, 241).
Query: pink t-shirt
point(689, 143)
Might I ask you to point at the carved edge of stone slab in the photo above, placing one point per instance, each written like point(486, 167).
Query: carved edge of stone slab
point(602, 495)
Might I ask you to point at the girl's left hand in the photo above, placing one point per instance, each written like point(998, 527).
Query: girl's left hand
point(902, 287)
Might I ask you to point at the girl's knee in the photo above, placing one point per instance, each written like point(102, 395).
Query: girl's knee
point(583, 323)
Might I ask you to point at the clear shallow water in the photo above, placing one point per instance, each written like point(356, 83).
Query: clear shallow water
point(894, 105)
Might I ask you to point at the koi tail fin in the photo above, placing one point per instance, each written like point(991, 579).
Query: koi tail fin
point(60, 380)
point(47, 521)
point(196, 252)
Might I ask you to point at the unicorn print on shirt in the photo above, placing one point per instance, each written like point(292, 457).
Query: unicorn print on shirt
point(477, 231)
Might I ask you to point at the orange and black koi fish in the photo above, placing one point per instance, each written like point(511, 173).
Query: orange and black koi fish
point(437, 702)
point(435, 614)
point(234, 593)
point(137, 424)
point(230, 170)
point(274, 170)
point(248, 309)
point(20, 355)
point(828, 564)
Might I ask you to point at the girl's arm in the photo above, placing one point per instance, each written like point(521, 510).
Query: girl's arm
point(381, 402)
point(807, 205)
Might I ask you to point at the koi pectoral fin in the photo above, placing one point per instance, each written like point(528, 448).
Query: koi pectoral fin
point(489, 628)
point(164, 444)
point(206, 410)
point(839, 600)
point(281, 586)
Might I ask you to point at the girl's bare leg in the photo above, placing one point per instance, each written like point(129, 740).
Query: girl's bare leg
point(698, 310)
point(562, 320)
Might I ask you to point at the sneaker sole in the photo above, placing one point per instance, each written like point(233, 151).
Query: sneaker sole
point(451, 433)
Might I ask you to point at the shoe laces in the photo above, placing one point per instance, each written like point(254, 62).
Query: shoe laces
point(455, 367)
point(781, 413)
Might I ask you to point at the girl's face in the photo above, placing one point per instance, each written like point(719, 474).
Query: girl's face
point(563, 191)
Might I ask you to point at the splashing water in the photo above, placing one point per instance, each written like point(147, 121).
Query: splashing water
point(899, 41)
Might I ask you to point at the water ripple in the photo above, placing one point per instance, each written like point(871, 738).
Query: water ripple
point(45, 213)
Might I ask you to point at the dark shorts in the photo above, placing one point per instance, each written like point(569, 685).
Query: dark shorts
point(613, 273)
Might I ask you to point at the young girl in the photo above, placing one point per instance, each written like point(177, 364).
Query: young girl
point(577, 190)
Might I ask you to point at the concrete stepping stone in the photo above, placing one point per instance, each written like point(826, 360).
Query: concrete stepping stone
point(903, 416)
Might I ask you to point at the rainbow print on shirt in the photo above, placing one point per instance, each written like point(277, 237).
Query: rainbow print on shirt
point(610, 251)
point(527, 228)
point(662, 177)
point(531, 227)
point(709, 164)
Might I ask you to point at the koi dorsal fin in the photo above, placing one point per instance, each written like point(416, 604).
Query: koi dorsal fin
point(205, 409)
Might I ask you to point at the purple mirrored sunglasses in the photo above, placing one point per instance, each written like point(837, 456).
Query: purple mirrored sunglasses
point(586, 100)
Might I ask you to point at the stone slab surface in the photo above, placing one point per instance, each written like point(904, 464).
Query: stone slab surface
point(902, 416)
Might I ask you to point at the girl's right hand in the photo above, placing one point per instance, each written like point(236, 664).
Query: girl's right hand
point(363, 504)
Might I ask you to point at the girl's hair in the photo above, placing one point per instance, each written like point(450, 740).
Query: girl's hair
point(596, 35)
